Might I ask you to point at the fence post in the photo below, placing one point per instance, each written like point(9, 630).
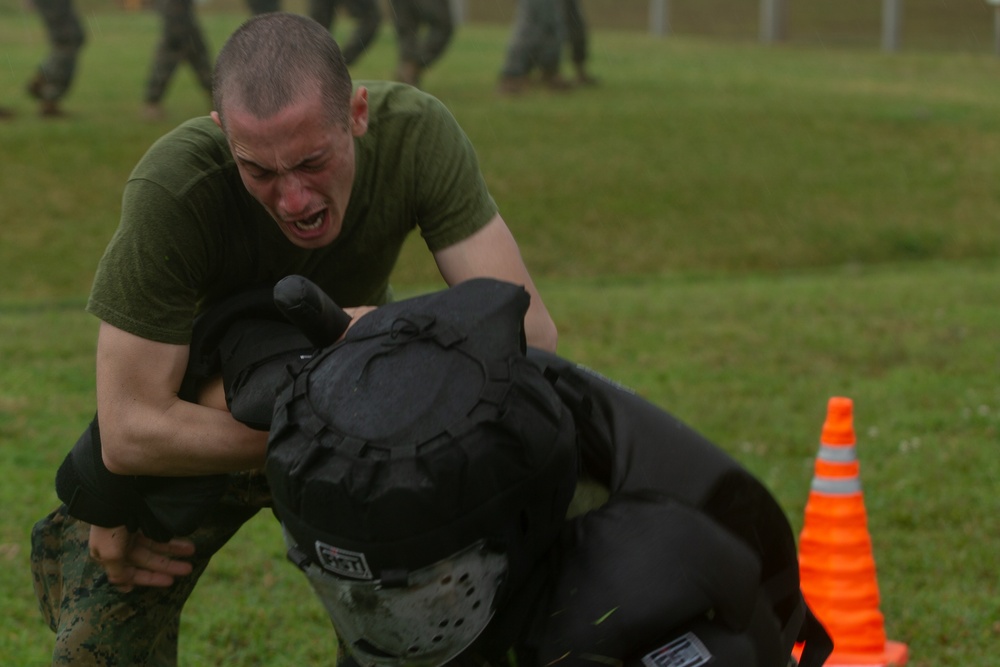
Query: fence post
point(996, 27)
point(458, 11)
point(659, 17)
point(995, 4)
point(892, 19)
point(773, 20)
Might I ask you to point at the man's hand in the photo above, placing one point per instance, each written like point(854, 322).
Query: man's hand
point(132, 559)
point(492, 252)
point(357, 312)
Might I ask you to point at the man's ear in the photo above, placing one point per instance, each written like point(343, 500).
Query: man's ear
point(217, 119)
point(359, 111)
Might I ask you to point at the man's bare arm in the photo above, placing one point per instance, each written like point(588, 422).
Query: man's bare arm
point(147, 430)
point(492, 252)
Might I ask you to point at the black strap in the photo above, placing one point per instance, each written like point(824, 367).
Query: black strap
point(818, 645)
point(90, 491)
point(161, 507)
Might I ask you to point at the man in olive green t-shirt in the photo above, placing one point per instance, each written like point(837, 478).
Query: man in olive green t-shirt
point(297, 171)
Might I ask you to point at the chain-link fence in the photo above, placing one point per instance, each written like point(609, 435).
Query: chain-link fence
point(965, 25)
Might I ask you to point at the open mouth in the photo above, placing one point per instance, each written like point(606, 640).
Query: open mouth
point(310, 224)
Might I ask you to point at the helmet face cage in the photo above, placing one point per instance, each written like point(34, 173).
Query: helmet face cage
point(425, 622)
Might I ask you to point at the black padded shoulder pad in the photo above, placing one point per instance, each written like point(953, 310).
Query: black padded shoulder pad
point(255, 338)
point(213, 325)
point(258, 357)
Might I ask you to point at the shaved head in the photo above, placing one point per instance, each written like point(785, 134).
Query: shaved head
point(275, 59)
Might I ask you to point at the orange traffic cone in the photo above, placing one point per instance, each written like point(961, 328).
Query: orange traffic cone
point(836, 565)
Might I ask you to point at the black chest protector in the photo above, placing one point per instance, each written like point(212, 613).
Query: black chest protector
point(690, 562)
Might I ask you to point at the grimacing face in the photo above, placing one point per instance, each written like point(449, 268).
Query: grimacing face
point(299, 164)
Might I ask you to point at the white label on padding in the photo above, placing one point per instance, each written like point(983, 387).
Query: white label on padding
point(685, 651)
point(346, 563)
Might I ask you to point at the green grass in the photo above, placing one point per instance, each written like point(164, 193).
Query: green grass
point(738, 232)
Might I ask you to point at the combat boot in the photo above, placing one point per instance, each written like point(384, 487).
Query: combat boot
point(553, 80)
point(511, 85)
point(47, 107)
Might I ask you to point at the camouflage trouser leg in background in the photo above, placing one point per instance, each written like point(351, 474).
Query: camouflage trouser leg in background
point(322, 12)
point(66, 38)
point(367, 19)
point(424, 29)
point(576, 30)
point(182, 41)
point(536, 39)
point(95, 624)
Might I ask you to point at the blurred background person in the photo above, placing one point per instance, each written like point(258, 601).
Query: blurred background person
point(55, 74)
point(181, 41)
point(424, 29)
point(367, 19)
point(536, 42)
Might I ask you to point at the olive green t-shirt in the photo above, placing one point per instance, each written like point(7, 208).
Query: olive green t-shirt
point(190, 233)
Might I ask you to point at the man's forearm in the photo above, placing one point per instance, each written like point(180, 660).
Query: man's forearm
point(540, 330)
point(185, 439)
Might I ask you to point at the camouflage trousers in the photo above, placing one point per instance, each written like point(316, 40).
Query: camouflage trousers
point(66, 38)
point(424, 29)
point(576, 30)
point(536, 39)
point(95, 623)
point(367, 18)
point(181, 41)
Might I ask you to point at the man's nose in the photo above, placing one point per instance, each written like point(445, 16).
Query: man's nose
point(292, 195)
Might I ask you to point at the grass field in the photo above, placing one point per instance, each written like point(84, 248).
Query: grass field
point(739, 232)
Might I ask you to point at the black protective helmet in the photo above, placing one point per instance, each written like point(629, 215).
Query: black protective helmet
point(420, 468)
